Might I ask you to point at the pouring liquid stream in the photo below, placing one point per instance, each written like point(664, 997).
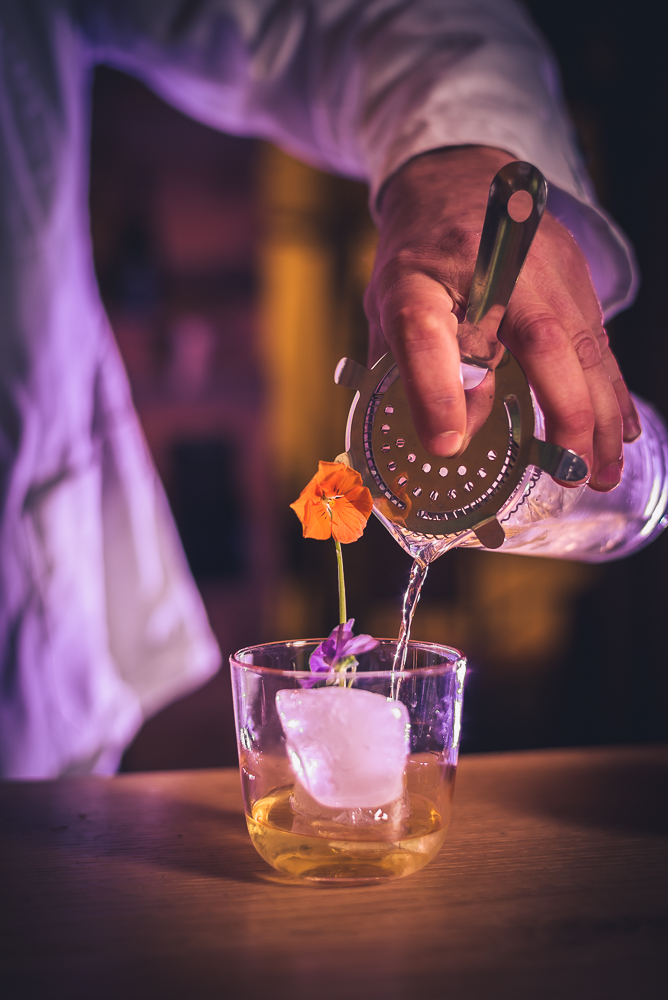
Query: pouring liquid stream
point(417, 577)
point(423, 556)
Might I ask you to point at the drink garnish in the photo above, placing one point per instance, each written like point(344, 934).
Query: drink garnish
point(336, 504)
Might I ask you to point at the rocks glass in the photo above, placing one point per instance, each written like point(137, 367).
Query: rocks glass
point(350, 781)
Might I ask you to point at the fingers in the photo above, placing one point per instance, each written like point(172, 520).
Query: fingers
point(567, 363)
point(565, 355)
point(607, 438)
point(559, 275)
point(583, 296)
point(630, 419)
point(418, 323)
point(432, 211)
point(542, 347)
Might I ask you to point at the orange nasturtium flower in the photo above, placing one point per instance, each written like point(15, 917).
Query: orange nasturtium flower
point(334, 504)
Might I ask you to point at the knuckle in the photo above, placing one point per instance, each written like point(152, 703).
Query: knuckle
point(577, 423)
point(610, 427)
point(603, 340)
point(440, 403)
point(540, 335)
point(389, 278)
point(448, 260)
point(415, 321)
point(406, 260)
point(587, 349)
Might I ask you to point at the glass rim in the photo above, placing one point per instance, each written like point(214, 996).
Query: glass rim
point(458, 659)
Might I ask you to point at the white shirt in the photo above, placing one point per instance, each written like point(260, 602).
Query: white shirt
point(100, 622)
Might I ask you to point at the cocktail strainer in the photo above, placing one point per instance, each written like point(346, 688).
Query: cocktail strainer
point(426, 497)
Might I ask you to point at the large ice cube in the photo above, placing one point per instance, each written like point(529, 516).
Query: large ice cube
point(374, 823)
point(347, 747)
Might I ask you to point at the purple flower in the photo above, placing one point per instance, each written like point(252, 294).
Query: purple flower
point(341, 645)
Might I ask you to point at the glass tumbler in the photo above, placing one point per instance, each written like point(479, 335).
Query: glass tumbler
point(351, 780)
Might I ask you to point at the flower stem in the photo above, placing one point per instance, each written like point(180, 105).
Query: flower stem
point(343, 617)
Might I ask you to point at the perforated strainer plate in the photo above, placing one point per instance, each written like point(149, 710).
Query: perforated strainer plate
point(424, 494)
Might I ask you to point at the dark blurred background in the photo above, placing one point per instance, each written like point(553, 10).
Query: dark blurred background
point(233, 276)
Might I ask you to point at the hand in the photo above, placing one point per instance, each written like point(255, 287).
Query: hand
point(431, 219)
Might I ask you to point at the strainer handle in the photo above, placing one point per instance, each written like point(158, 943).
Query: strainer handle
point(515, 206)
point(508, 230)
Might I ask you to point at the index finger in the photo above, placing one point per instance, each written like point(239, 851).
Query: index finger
point(420, 327)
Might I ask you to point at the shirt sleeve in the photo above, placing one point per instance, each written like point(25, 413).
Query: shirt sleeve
point(360, 87)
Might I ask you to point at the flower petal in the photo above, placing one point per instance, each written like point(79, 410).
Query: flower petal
point(309, 682)
point(315, 518)
point(360, 644)
point(318, 662)
point(348, 523)
point(312, 511)
point(335, 477)
point(335, 502)
point(326, 654)
point(340, 637)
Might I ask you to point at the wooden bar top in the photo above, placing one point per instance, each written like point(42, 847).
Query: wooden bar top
point(553, 883)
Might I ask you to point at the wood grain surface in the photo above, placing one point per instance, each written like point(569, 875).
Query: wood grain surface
point(553, 883)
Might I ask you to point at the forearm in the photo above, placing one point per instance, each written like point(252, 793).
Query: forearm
point(364, 88)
